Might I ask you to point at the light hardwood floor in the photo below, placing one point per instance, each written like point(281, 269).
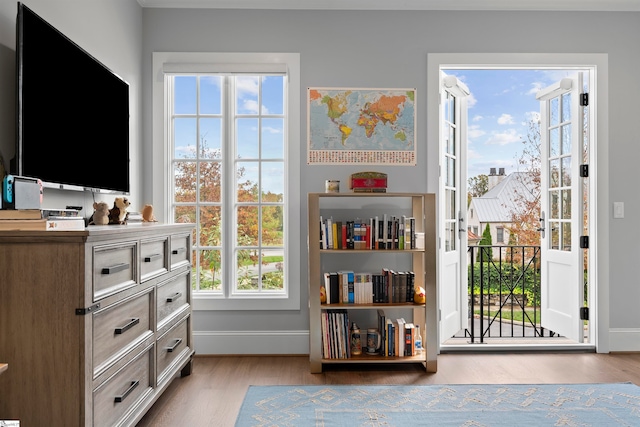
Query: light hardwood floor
point(213, 393)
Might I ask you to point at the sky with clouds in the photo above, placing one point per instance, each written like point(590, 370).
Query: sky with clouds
point(501, 106)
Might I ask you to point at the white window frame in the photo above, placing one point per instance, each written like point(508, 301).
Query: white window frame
point(161, 163)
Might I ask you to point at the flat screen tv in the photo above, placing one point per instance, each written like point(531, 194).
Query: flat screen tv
point(72, 113)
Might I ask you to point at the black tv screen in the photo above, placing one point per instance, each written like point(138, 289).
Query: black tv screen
point(72, 127)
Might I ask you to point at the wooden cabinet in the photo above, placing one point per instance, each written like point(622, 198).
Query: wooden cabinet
point(342, 207)
point(95, 324)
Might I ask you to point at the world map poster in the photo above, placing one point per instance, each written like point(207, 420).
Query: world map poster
point(361, 126)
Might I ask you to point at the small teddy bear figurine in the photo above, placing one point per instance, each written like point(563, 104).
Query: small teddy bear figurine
point(147, 214)
point(118, 213)
point(100, 214)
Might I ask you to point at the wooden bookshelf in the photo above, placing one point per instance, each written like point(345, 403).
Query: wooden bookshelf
point(422, 261)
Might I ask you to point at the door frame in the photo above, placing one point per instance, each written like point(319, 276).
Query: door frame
point(598, 267)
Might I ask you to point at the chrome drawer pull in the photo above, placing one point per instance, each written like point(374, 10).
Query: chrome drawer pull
point(174, 297)
point(152, 257)
point(173, 347)
point(129, 325)
point(123, 396)
point(115, 268)
point(178, 251)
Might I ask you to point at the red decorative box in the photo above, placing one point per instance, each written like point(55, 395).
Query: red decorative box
point(368, 182)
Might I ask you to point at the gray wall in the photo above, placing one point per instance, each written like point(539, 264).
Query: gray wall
point(389, 49)
point(358, 49)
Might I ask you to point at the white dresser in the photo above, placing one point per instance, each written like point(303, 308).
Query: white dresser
point(94, 324)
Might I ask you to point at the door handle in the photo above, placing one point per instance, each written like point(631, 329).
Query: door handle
point(541, 229)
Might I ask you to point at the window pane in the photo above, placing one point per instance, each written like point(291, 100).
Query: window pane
point(247, 139)
point(248, 265)
point(185, 138)
point(272, 226)
point(566, 236)
point(247, 181)
point(272, 181)
point(553, 112)
point(554, 241)
point(273, 94)
point(450, 238)
point(566, 139)
point(554, 173)
point(554, 142)
point(272, 270)
point(210, 226)
point(247, 222)
point(185, 214)
point(566, 172)
point(185, 90)
point(566, 204)
point(554, 204)
point(184, 182)
point(247, 95)
point(566, 107)
point(272, 139)
point(210, 95)
point(210, 138)
point(210, 181)
point(210, 270)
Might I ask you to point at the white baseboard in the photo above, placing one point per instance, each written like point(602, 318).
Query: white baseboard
point(624, 339)
point(251, 342)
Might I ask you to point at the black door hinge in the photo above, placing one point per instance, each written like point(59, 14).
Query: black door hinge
point(584, 99)
point(584, 171)
point(87, 310)
point(584, 242)
point(584, 313)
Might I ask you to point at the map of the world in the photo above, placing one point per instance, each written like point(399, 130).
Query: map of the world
point(361, 126)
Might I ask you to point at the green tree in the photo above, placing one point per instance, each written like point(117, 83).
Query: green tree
point(477, 187)
point(525, 217)
point(487, 241)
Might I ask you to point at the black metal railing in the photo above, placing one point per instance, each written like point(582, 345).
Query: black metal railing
point(504, 293)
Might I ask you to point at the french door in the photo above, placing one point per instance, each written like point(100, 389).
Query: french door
point(562, 133)
point(453, 298)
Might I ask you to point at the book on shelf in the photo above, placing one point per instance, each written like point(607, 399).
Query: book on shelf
point(400, 337)
point(335, 334)
point(20, 214)
point(409, 333)
point(60, 212)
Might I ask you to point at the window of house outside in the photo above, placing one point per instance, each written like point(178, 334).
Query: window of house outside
point(230, 168)
point(499, 234)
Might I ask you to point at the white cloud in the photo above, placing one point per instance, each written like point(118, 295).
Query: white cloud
point(471, 101)
point(504, 138)
point(505, 119)
point(475, 132)
point(477, 118)
point(535, 88)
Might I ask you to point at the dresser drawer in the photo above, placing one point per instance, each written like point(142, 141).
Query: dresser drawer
point(113, 399)
point(120, 326)
point(172, 295)
point(114, 269)
point(171, 345)
point(180, 250)
point(154, 260)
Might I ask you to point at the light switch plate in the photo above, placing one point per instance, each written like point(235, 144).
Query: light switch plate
point(618, 209)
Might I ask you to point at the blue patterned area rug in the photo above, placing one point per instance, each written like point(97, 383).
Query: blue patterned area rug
point(442, 405)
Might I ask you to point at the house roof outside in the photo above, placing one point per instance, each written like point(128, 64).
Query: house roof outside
point(497, 204)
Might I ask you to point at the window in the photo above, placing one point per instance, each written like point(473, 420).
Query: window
point(499, 234)
point(231, 164)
